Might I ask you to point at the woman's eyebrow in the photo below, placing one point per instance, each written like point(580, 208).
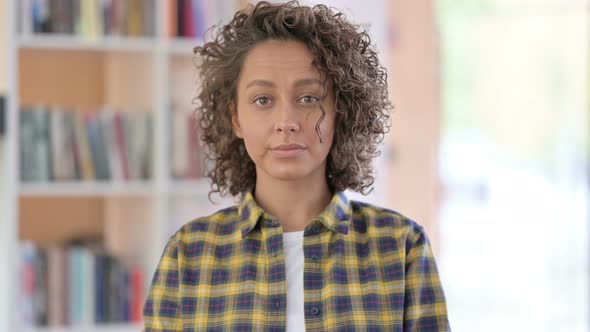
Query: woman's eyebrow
point(297, 84)
point(307, 81)
point(260, 83)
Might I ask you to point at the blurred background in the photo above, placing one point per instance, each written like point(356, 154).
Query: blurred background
point(489, 151)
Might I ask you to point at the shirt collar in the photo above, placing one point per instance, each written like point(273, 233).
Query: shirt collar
point(336, 215)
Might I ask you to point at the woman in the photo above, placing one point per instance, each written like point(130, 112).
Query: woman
point(293, 105)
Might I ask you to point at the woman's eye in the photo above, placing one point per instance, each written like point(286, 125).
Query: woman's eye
point(309, 99)
point(262, 101)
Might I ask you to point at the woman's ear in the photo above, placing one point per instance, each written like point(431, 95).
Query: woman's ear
point(235, 122)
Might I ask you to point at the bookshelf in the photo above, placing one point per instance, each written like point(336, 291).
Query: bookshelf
point(84, 73)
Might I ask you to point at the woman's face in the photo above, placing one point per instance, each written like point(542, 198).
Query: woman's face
point(279, 95)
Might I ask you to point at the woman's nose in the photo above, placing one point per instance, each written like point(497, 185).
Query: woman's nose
point(287, 120)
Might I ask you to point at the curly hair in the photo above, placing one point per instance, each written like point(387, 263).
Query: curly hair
point(343, 54)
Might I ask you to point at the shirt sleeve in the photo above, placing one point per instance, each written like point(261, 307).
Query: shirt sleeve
point(425, 307)
point(161, 311)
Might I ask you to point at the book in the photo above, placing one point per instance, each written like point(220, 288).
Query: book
point(26, 153)
point(28, 253)
point(134, 18)
point(144, 143)
point(57, 282)
point(62, 145)
point(83, 154)
point(173, 18)
point(97, 147)
point(120, 144)
point(40, 146)
point(106, 117)
point(41, 287)
point(137, 293)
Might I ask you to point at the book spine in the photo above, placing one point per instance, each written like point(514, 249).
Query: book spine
point(26, 137)
point(41, 285)
point(87, 286)
point(28, 253)
point(73, 287)
point(41, 145)
point(173, 18)
point(114, 291)
point(99, 289)
point(26, 17)
point(137, 293)
point(134, 26)
point(144, 143)
point(180, 18)
point(70, 15)
point(113, 159)
point(71, 164)
point(121, 148)
point(198, 19)
point(56, 284)
point(84, 159)
point(188, 25)
point(148, 18)
point(105, 10)
point(98, 148)
point(57, 144)
point(128, 120)
point(125, 296)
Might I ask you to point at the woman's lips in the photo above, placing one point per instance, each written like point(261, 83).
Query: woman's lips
point(287, 153)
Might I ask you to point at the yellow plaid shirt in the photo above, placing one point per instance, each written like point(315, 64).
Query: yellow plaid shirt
point(366, 269)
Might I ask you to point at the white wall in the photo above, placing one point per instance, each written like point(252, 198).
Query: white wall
point(3, 78)
point(6, 272)
point(3, 43)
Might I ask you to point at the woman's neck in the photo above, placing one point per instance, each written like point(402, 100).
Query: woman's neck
point(294, 203)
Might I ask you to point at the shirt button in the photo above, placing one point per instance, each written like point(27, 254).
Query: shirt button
point(315, 311)
point(315, 228)
point(314, 258)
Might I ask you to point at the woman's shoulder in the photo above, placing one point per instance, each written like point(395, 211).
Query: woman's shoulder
point(219, 223)
point(383, 221)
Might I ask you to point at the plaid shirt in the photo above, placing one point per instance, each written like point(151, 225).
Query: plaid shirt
point(366, 269)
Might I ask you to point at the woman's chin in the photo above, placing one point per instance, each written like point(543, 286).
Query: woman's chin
point(288, 173)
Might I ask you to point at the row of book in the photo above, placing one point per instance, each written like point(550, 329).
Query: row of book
point(192, 18)
point(89, 18)
point(78, 285)
point(66, 145)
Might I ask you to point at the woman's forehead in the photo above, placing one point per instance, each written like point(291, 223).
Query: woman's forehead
point(279, 60)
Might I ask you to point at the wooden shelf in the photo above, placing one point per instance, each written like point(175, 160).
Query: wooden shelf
point(87, 189)
point(182, 46)
point(77, 43)
point(88, 328)
point(190, 187)
point(176, 46)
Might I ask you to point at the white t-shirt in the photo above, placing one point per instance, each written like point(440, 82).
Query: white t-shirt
point(294, 262)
